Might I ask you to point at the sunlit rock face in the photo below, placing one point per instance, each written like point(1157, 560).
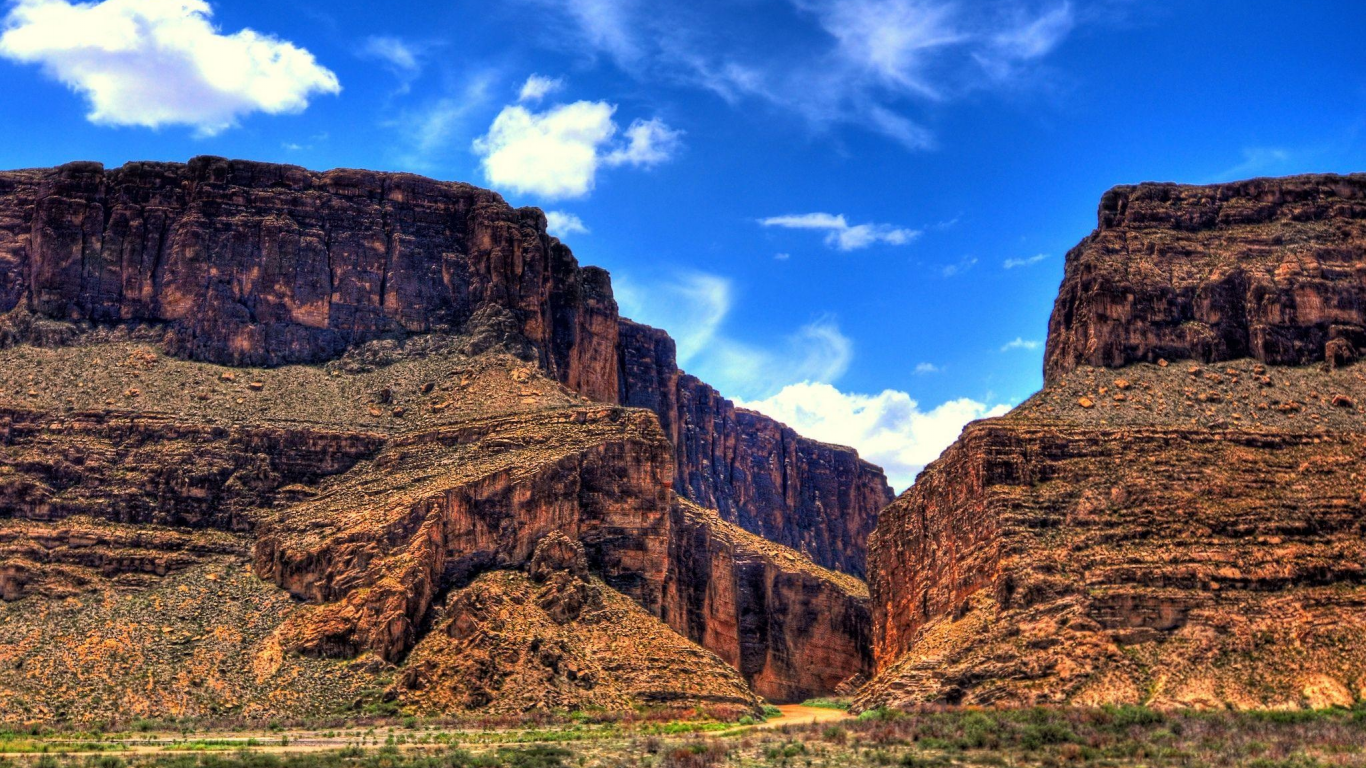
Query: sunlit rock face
point(244, 263)
point(279, 443)
point(1177, 518)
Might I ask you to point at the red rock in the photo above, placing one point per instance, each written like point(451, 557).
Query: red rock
point(1044, 541)
point(255, 264)
point(1218, 278)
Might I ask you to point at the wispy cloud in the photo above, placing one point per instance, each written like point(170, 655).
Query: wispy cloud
point(693, 307)
point(959, 267)
point(867, 63)
point(922, 369)
point(1257, 161)
point(537, 87)
point(1025, 262)
point(429, 131)
point(1021, 343)
point(840, 233)
point(152, 63)
point(396, 53)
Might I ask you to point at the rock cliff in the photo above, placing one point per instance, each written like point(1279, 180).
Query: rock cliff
point(1269, 269)
point(282, 444)
point(1149, 531)
point(793, 629)
point(246, 263)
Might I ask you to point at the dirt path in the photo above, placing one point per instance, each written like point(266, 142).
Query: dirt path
point(796, 714)
point(167, 744)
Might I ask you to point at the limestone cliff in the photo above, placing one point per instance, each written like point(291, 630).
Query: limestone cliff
point(282, 444)
point(246, 263)
point(1170, 533)
point(1269, 269)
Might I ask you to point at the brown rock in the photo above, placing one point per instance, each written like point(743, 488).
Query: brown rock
point(1264, 269)
point(1154, 529)
point(326, 261)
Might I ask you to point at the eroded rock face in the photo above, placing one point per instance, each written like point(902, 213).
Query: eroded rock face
point(435, 509)
point(1268, 269)
point(340, 519)
point(793, 629)
point(1167, 533)
point(256, 264)
point(816, 498)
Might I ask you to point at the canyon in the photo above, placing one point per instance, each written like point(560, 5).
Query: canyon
point(277, 443)
point(285, 443)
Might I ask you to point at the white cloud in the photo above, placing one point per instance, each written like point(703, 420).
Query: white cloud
point(537, 87)
point(153, 63)
point(557, 153)
point(1021, 343)
point(648, 143)
point(782, 256)
point(693, 308)
point(840, 233)
point(924, 368)
point(562, 224)
point(1025, 262)
point(889, 429)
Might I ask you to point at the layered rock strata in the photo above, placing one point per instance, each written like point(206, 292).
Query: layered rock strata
point(1267, 269)
point(253, 264)
point(793, 629)
point(1168, 533)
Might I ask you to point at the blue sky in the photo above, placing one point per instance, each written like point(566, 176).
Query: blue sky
point(851, 213)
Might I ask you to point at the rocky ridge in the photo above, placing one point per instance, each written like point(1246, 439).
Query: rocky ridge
point(244, 263)
point(1181, 527)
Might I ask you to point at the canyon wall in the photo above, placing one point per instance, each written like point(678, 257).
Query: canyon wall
point(246, 263)
point(1267, 269)
point(1176, 518)
point(364, 419)
point(794, 630)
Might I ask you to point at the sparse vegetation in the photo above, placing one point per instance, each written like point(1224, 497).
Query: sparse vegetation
point(1115, 737)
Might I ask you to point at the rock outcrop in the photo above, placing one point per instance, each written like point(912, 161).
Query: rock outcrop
point(793, 629)
point(557, 638)
point(1174, 534)
point(402, 447)
point(1269, 269)
point(246, 263)
point(817, 498)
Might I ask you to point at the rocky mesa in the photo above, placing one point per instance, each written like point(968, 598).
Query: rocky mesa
point(1176, 519)
point(285, 443)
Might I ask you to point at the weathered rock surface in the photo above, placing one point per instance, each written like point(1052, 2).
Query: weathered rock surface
point(558, 639)
point(255, 264)
point(816, 498)
point(1268, 269)
point(793, 629)
point(1176, 534)
point(345, 516)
